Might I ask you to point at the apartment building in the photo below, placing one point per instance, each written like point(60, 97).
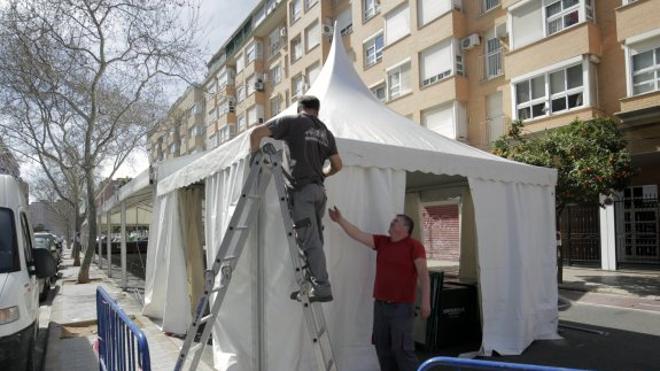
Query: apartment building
point(466, 69)
point(183, 130)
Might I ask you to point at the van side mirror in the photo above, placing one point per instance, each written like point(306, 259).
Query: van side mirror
point(44, 263)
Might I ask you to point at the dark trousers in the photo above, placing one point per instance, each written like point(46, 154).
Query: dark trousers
point(393, 336)
point(308, 206)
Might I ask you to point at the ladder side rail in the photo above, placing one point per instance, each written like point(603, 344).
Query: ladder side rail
point(324, 358)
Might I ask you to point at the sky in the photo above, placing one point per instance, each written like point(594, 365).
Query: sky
point(218, 19)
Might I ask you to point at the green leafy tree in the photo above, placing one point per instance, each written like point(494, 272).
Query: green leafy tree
point(590, 157)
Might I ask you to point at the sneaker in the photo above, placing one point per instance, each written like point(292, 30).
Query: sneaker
point(312, 297)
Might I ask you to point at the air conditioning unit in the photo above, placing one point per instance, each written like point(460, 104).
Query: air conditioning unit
point(471, 41)
point(259, 85)
point(327, 30)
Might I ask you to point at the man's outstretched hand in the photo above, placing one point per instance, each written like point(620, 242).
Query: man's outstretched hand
point(335, 214)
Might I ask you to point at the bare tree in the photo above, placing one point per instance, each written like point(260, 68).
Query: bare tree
point(83, 81)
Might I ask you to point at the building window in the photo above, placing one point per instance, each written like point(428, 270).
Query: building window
point(494, 117)
point(295, 10)
point(561, 14)
point(645, 68)
point(250, 84)
point(312, 72)
point(373, 49)
point(345, 21)
point(312, 36)
point(429, 10)
point(489, 4)
point(436, 63)
point(276, 74)
point(240, 63)
point(535, 20)
point(493, 57)
point(369, 9)
point(274, 42)
point(310, 3)
point(397, 24)
point(440, 119)
point(242, 123)
point(296, 49)
point(275, 105)
point(379, 91)
point(398, 81)
point(212, 141)
point(549, 93)
point(253, 52)
point(297, 85)
point(240, 93)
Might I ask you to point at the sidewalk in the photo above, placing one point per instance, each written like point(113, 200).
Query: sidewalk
point(72, 330)
point(638, 283)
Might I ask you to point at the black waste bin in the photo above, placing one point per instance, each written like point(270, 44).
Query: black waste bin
point(454, 318)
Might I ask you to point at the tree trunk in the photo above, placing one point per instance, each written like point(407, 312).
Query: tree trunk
point(83, 273)
point(76, 240)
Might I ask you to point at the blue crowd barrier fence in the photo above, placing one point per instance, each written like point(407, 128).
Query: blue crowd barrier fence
point(122, 346)
point(477, 364)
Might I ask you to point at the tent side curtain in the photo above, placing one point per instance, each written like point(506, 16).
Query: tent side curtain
point(166, 294)
point(257, 309)
point(517, 264)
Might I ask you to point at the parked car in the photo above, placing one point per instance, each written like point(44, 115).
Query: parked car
point(46, 242)
point(49, 241)
point(21, 270)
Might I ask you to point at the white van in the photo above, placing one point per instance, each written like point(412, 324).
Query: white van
point(21, 268)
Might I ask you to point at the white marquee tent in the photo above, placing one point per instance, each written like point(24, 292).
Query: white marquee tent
point(261, 328)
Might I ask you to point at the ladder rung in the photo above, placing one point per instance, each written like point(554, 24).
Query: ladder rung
point(204, 319)
point(239, 228)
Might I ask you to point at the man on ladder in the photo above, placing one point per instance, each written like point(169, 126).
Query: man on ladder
point(310, 145)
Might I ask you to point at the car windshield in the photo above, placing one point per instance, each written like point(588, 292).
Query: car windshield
point(9, 261)
point(41, 243)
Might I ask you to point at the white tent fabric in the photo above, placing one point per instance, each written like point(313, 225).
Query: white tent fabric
point(259, 326)
point(516, 255)
point(166, 290)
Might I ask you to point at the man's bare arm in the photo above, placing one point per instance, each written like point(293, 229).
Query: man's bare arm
point(335, 165)
point(425, 281)
point(351, 230)
point(257, 134)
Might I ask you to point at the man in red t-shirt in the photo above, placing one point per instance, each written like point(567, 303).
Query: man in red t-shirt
point(400, 261)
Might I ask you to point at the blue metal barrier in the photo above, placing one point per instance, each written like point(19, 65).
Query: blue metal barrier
point(122, 345)
point(477, 364)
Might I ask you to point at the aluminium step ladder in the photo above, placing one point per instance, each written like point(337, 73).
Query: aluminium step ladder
point(266, 163)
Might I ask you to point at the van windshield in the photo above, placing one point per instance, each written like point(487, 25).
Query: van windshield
point(9, 261)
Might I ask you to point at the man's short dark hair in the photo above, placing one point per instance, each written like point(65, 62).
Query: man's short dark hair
point(408, 222)
point(309, 102)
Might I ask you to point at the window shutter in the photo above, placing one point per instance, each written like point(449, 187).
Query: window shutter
point(527, 24)
point(430, 9)
point(436, 60)
point(440, 119)
point(397, 24)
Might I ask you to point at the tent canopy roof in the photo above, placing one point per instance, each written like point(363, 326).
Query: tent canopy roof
point(369, 134)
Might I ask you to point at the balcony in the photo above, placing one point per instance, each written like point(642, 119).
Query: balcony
point(640, 109)
point(637, 18)
point(578, 40)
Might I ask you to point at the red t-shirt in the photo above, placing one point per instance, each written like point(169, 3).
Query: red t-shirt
point(396, 275)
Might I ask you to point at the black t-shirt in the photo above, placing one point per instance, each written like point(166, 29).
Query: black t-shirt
point(310, 144)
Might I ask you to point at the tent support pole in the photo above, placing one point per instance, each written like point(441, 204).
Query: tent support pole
point(108, 240)
point(124, 278)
